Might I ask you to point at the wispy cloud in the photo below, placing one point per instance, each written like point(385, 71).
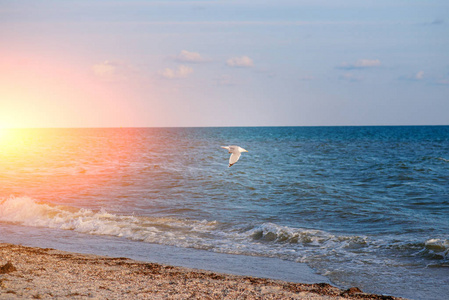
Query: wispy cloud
point(178, 73)
point(112, 71)
point(361, 64)
point(443, 81)
point(418, 76)
point(350, 77)
point(190, 57)
point(240, 62)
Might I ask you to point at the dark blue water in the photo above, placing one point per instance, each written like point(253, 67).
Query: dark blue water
point(364, 206)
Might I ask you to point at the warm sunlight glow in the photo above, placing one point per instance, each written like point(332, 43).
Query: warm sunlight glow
point(9, 140)
point(3, 134)
point(56, 92)
point(61, 160)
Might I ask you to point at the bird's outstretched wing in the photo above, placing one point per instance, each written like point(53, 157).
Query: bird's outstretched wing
point(234, 158)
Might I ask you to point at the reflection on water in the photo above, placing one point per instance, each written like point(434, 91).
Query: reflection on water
point(59, 164)
point(366, 206)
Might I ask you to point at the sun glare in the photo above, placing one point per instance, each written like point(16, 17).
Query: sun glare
point(10, 140)
point(66, 162)
point(5, 135)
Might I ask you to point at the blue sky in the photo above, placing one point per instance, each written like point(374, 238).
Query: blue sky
point(223, 63)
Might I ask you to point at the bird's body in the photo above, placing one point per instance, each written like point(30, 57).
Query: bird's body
point(235, 151)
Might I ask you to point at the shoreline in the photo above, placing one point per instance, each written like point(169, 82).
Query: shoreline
point(43, 273)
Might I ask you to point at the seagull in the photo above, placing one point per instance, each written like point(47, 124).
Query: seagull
point(235, 151)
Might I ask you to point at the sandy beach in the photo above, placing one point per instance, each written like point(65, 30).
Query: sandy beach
point(38, 273)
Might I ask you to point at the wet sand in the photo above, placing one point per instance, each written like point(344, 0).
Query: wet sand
point(38, 273)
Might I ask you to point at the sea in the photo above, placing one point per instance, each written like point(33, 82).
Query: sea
point(351, 206)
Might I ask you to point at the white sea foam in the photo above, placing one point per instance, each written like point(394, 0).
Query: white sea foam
point(186, 233)
point(26, 211)
point(438, 247)
point(266, 239)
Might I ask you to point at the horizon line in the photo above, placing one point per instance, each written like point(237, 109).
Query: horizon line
point(243, 126)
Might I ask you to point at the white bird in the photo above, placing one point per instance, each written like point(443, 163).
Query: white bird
point(235, 151)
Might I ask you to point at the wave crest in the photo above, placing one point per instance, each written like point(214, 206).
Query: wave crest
point(26, 211)
point(270, 232)
point(436, 249)
point(266, 239)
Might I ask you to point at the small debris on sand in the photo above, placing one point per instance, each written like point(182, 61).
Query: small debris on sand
point(38, 273)
point(7, 268)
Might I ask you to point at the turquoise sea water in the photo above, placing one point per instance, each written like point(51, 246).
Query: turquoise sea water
point(363, 206)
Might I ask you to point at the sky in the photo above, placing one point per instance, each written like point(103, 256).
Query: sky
point(223, 63)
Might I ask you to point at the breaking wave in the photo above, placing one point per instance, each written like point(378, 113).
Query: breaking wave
point(26, 211)
point(266, 239)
